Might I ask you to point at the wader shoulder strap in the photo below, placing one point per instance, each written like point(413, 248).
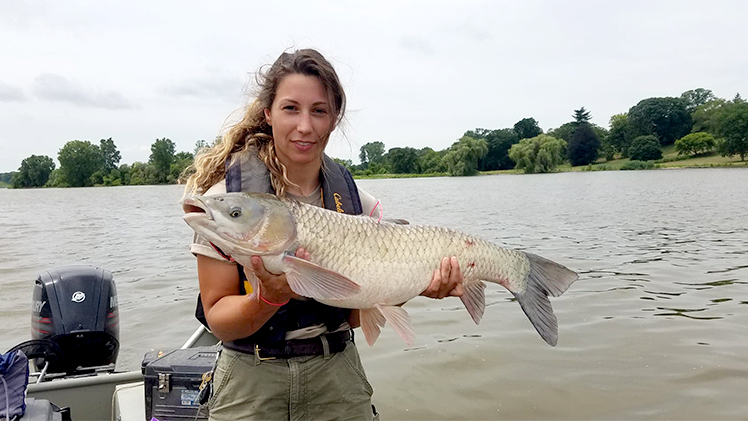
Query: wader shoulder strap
point(246, 172)
point(339, 191)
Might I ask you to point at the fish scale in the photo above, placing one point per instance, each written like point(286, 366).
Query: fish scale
point(404, 254)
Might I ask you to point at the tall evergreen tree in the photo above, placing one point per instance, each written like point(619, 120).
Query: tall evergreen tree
point(583, 146)
point(582, 116)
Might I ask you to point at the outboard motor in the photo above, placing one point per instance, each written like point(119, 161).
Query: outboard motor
point(75, 307)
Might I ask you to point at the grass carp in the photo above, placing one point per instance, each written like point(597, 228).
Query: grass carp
point(360, 263)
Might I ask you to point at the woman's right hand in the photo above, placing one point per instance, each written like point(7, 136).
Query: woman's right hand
point(274, 287)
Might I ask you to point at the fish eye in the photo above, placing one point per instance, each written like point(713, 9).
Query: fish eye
point(235, 212)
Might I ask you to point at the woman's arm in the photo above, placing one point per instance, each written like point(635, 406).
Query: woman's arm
point(233, 316)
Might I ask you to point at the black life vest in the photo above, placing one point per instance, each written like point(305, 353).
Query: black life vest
point(248, 173)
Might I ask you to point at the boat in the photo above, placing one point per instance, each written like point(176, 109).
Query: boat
point(74, 346)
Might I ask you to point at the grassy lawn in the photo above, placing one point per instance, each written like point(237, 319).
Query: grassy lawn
point(670, 159)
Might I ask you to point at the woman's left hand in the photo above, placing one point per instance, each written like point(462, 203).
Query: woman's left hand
point(447, 280)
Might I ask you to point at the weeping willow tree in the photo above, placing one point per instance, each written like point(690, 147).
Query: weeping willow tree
point(539, 154)
point(463, 156)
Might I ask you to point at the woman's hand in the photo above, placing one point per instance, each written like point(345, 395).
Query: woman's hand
point(275, 287)
point(447, 280)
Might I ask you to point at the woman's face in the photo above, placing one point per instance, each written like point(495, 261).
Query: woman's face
point(301, 120)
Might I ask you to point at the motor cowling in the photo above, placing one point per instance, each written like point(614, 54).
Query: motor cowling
point(76, 308)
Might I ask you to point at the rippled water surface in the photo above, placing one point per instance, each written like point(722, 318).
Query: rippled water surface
point(655, 328)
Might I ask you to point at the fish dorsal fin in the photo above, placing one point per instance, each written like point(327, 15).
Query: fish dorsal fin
point(474, 299)
point(371, 320)
point(400, 321)
point(313, 281)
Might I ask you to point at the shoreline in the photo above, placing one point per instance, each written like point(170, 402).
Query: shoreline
point(604, 166)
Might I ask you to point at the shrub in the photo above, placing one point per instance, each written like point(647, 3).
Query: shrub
point(638, 165)
point(695, 143)
point(645, 148)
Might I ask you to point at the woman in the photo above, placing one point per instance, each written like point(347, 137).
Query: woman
point(286, 357)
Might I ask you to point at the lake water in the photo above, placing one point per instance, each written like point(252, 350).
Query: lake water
point(655, 328)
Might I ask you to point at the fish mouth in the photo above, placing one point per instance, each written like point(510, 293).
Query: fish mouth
point(195, 207)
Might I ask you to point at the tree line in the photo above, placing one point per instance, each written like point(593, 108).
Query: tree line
point(83, 164)
point(696, 123)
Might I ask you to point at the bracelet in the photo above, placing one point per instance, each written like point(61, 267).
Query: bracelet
point(259, 293)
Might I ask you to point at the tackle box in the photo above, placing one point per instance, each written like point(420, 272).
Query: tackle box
point(172, 382)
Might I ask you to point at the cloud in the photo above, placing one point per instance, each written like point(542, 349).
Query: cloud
point(214, 86)
point(469, 30)
point(54, 87)
point(416, 44)
point(9, 93)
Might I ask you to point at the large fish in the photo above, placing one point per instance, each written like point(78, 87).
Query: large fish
point(358, 262)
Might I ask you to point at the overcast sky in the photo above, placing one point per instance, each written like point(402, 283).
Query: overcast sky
point(417, 73)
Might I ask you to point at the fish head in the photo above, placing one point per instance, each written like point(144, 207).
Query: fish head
point(241, 223)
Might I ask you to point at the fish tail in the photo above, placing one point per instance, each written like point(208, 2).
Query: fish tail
point(545, 278)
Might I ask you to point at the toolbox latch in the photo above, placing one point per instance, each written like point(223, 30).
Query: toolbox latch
point(163, 383)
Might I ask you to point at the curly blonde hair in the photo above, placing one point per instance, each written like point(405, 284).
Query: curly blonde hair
point(209, 166)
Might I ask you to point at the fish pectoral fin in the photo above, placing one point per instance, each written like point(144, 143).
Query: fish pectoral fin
point(474, 299)
point(371, 320)
point(400, 321)
point(313, 281)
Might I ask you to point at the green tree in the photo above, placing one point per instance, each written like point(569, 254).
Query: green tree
point(162, 156)
point(79, 159)
point(498, 142)
point(564, 131)
point(403, 160)
point(200, 145)
point(97, 178)
point(34, 172)
point(695, 143)
point(124, 174)
point(182, 160)
point(704, 116)
point(527, 127)
point(696, 97)
point(667, 118)
point(462, 158)
point(620, 134)
point(582, 116)
point(56, 179)
point(347, 163)
point(732, 126)
point(141, 173)
point(372, 153)
point(110, 153)
point(584, 145)
point(540, 154)
point(645, 148)
point(114, 178)
point(6, 178)
point(431, 161)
